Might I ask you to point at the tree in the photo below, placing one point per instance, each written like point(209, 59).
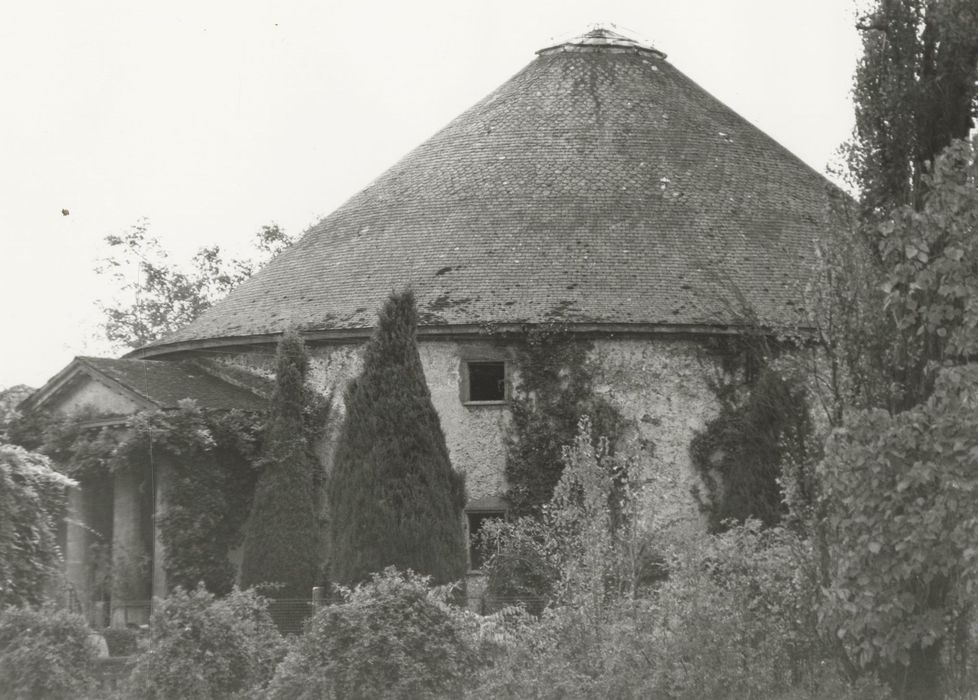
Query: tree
point(31, 499)
point(394, 498)
point(914, 94)
point(900, 494)
point(282, 536)
point(159, 296)
point(9, 398)
point(896, 505)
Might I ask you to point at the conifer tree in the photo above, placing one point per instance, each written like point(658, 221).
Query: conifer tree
point(393, 495)
point(281, 538)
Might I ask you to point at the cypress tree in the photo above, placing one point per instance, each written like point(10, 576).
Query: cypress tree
point(281, 537)
point(393, 495)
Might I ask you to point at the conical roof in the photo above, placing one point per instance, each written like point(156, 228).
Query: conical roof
point(598, 187)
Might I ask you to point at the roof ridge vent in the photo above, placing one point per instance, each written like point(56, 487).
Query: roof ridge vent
point(601, 38)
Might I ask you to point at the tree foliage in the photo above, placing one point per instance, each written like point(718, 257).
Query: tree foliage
point(282, 535)
point(32, 499)
point(900, 498)
point(929, 254)
point(914, 93)
point(159, 296)
point(394, 498)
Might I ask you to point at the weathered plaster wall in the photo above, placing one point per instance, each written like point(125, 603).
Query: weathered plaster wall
point(92, 395)
point(474, 434)
point(658, 384)
point(660, 387)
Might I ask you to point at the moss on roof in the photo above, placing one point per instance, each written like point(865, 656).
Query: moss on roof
point(597, 185)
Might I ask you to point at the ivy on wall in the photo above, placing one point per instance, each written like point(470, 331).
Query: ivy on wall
point(763, 426)
point(209, 458)
point(555, 388)
point(209, 482)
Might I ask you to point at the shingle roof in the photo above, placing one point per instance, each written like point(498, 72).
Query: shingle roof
point(165, 384)
point(597, 185)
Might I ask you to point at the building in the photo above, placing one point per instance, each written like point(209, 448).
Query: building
point(598, 189)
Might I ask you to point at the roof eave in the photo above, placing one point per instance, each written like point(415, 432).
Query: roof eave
point(341, 336)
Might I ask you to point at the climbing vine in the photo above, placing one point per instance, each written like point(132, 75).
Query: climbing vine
point(763, 430)
point(209, 465)
point(555, 388)
point(208, 485)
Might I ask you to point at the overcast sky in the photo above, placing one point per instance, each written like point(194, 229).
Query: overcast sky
point(211, 119)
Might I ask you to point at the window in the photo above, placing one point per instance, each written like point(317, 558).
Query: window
point(484, 382)
point(476, 520)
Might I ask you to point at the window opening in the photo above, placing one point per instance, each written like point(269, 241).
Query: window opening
point(487, 381)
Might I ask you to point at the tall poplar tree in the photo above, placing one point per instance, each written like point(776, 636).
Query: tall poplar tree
point(914, 92)
point(393, 495)
point(281, 538)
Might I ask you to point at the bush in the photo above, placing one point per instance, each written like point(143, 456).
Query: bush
point(735, 618)
point(31, 498)
point(392, 638)
point(204, 647)
point(45, 654)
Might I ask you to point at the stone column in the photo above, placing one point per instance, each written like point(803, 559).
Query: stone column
point(131, 558)
point(161, 470)
point(77, 548)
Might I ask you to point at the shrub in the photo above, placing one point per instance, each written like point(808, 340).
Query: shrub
point(204, 647)
point(31, 496)
point(391, 638)
point(586, 546)
point(394, 498)
point(735, 618)
point(45, 654)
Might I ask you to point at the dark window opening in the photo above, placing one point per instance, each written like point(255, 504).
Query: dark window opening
point(487, 381)
point(476, 521)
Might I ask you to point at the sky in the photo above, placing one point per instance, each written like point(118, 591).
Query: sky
point(212, 119)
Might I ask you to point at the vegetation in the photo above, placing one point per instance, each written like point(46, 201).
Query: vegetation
point(914, 93)
point(158, 296)
point(32, 497)
point(394, 499)
point(555, 388)
point(282, 537)
point(209, 483)
point(45, 654)
point(899, 499)
point(205, 648)
point(210, 459)
point(741, 453)
point(392, 637)
point(586, 546)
